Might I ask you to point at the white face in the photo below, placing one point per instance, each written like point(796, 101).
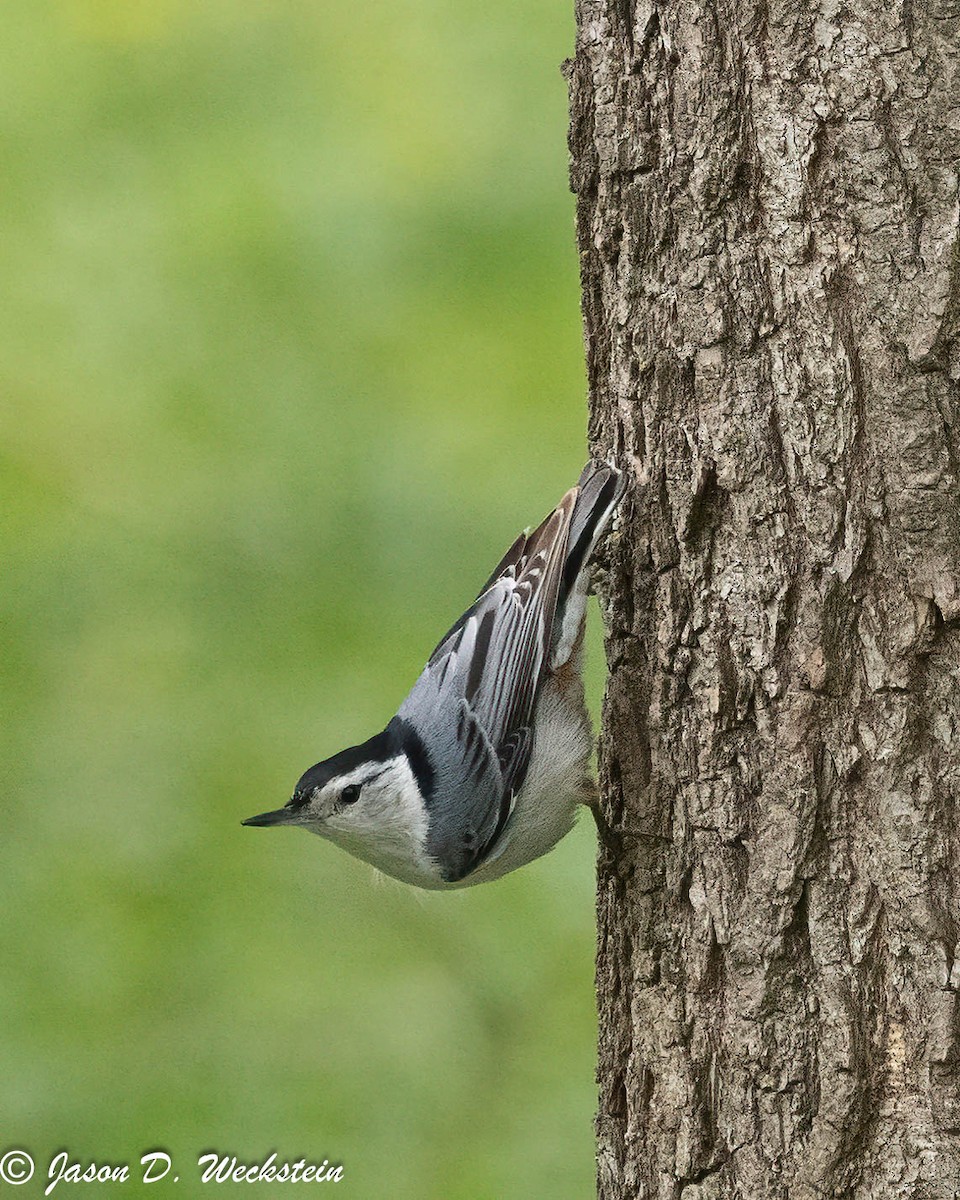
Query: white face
point(384, 822)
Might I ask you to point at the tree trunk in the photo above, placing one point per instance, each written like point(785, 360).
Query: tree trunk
point(768, 230)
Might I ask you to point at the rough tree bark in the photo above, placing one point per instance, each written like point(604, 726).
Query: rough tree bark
point(768, 229)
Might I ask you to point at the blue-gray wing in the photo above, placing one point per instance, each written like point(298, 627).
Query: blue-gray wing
point(472, 706)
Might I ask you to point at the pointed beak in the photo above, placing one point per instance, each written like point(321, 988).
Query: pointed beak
point(279, 816)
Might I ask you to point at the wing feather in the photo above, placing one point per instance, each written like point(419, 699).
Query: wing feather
point(473, 704)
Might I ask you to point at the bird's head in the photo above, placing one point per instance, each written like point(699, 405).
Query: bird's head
point(367, 800)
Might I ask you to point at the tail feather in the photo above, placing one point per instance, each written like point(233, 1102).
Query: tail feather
point(582, 512)
point(599, 491)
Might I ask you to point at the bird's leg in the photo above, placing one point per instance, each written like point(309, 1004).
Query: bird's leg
point(608, 837)
point(612, 838)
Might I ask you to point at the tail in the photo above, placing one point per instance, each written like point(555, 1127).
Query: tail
point(599, 491)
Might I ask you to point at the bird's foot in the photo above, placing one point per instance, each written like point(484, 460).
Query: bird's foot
point(609, 838)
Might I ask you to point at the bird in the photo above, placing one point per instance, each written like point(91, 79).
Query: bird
point(485, 763)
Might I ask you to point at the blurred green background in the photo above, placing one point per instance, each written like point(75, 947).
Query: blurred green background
point(291, 350)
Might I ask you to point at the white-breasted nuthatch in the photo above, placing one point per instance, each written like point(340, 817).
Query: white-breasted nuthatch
point(483, 767)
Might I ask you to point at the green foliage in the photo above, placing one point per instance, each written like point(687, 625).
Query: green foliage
point(291, 350)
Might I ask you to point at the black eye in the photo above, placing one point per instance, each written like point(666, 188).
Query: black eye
point(351, 793)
